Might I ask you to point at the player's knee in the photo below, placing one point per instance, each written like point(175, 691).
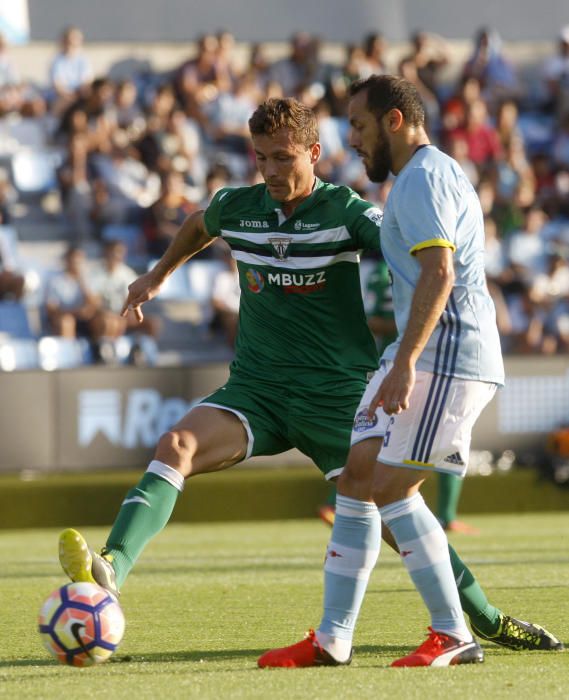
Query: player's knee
point(177, 449)
point(389, 486)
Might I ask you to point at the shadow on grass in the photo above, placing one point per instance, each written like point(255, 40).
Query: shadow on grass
point(15, 663)
point(199, 657)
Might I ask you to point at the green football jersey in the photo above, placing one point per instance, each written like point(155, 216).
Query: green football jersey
point(301, 314)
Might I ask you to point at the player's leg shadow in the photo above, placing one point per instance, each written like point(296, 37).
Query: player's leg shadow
point(192, 656)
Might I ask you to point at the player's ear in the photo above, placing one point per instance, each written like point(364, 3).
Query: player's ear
point(395, 119)
point(315, 151)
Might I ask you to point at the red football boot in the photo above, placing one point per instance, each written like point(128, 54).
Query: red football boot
point(301, 655)
point(441, 649)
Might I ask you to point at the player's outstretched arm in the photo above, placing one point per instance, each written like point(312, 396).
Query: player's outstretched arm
point(190, 239)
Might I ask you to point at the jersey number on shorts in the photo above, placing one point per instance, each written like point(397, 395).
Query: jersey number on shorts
point(388, 432)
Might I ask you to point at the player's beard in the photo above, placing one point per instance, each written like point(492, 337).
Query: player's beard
point(381, 160)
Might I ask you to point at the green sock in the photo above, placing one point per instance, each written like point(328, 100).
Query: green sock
point(482, 614)
point(331, 500)
point(449, 489)
point(144, 512)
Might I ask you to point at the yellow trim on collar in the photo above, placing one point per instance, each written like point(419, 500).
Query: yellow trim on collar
point(433, 243)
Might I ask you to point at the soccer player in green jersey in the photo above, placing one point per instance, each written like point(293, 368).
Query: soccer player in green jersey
point(303, 350)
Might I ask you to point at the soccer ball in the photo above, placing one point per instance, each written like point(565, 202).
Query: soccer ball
point(81, 624)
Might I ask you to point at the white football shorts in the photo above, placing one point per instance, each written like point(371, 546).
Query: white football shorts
point(434, 432)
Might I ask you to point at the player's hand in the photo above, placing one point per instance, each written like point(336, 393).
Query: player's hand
point(394, 392)
point(143, 289)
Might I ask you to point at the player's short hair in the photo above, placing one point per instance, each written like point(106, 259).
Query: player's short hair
point(385, 92)
point(287, 113)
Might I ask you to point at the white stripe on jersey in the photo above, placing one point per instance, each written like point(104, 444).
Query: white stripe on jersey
point(297, 263)
point(328, 235)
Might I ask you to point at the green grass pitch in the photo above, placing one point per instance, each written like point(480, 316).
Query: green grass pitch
point(206, 600)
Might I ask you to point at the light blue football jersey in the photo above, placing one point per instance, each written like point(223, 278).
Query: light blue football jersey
point(433, 203)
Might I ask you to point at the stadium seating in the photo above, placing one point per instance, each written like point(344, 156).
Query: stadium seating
point(26, 132)
point(127, 347)
point(63, 353)
point(131, 236)
point(177, 286)
point(14, 320)
point(9, 244)
point(34, 171)
point(18, 354)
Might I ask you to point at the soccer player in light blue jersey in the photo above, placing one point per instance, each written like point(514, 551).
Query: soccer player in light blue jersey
point(417, 414)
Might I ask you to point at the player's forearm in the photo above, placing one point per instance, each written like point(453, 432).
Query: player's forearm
point(190, 239)
point(429, 300)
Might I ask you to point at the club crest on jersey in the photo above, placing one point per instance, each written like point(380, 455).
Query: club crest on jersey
point(280, 246)
point(363, 422)
point(301, 226)
point(255, 280)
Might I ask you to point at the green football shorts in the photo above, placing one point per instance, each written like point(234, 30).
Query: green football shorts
point(278, 418)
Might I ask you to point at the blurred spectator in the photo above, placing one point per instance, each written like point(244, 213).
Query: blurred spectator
point(429, 54)
point(408, 69)
point(454, 109)
point(560, 150)
point(9, 74)
point(495, 72)
point(507, 123)
point(228, 123)
point(301, 69)
point(11, 281)
point(512, 171)
point(162, 219)
point(259, 65)
point(333, 153)
point(542, 169)
point(15, 95)
point(130, 186)
point(557, 328)
point(217, 177)
point(225, 297)
point(93, 115)
point(70, 304)
point(109, 280)
point(526, 321)
point(177, 146)
point(481, 137)
point(354, 68)
point(556, 75)
point(199, 79)
point(458, 149)
point(8, 197)
point(74, 177)
point(526, 248)
point(128, 114)
point(375, 49)
point(510, 214)
point(70, 70)
point(497, 274)
point(154, 146)
point(225, 61)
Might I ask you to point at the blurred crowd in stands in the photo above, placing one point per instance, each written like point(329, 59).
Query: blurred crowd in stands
point(118, 165)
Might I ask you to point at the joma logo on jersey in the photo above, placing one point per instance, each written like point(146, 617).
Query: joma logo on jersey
point(299, 283)
point(245, 223)
point(280, 246)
